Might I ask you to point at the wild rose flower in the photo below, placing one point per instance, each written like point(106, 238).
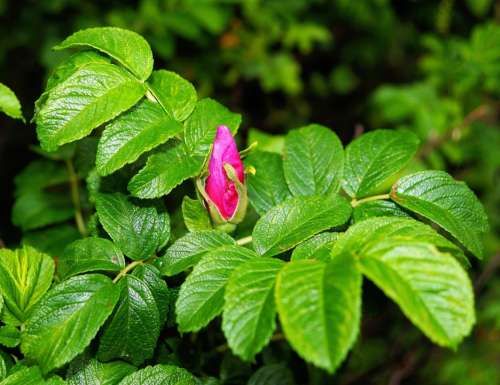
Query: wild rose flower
point(225, 191)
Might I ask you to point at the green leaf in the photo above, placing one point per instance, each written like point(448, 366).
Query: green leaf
point(150, 275)
point(374, 157)
point(89, 371)
point(479, 7)
point(92, 95)
point(70, 65)
point(318, 247)
point(64, 152)
point(4, 365)
point(55, 380)
point(409, 261)
point(430, 287)
point(195, 215)
point(126, 47)
point(249, 316)
point(40, 174)
point(25, 276)
point(25, 376)
point(66, 69)
point(85, 155)
point(272, 374)
point(163, 172)
point(375, 230)
point(51, 240)
point(176, 95)
point(267, 187)
point(90, 254)
point(133, 133)
point(319, 306)
point(451, 204)
point(296, 220)
point(9, 336)
point(160, 374)
point(9, 104)
point(138, 229)
point(188, 250)
point(201, 296)
point(233, 370)
point(134, 327)
point(67, 319)
point(313, 161)
point(378, 208)
point(201, 126)
point(266, 142)
point(36, 209)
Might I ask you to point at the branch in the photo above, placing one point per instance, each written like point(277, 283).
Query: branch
point(244, 240)
point(75, 198)
point(356, 202)
point(127, 268)
point(409, 365)
point(455, 133)
point(488, 271)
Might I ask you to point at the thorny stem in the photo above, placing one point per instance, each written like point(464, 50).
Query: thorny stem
point(127, 268)
point(75, 197)
point(244, 240)
point(356, 202)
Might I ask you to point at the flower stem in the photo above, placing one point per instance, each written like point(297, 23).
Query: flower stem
point(127, 268)
point(244, 240)
point(75, 197)
point(356, 202)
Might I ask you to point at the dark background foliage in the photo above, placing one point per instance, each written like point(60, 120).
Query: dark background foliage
point(430, 66)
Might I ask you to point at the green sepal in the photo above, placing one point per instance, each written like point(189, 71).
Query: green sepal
point(241, 189)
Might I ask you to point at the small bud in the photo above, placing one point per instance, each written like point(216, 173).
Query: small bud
point(224, 190)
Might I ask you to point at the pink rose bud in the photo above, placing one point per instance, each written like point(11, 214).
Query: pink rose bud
point(225, 190)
